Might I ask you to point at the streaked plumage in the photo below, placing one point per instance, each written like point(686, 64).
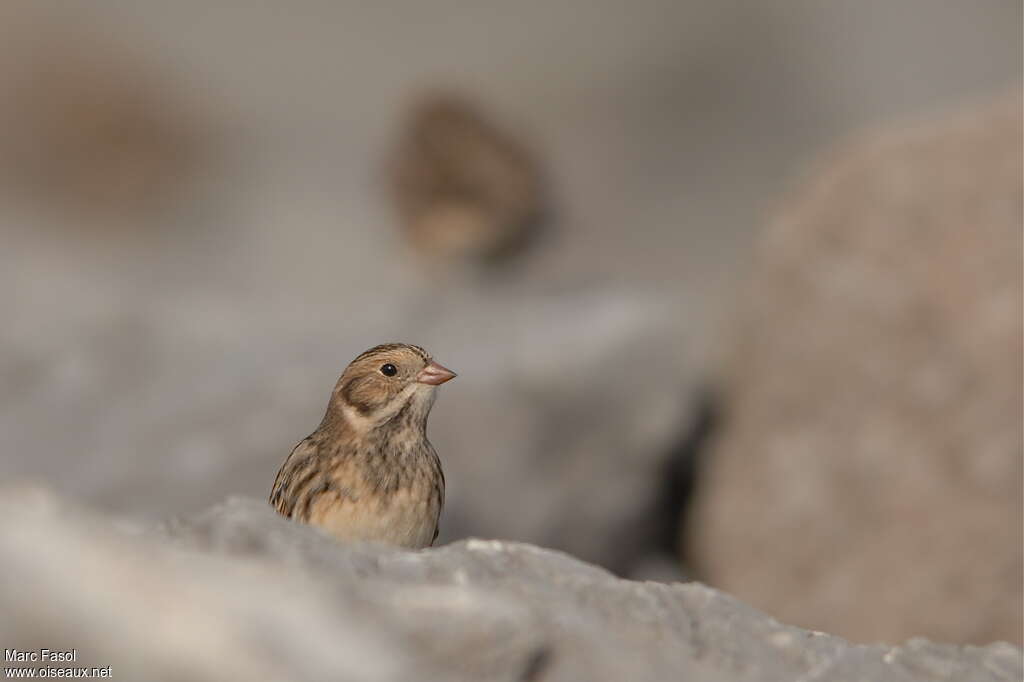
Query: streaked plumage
point(368, 472)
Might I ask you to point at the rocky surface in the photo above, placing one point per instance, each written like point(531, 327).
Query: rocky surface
point(867, 478)
point(237, 592)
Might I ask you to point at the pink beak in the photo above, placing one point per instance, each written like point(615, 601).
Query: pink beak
point(434, 374)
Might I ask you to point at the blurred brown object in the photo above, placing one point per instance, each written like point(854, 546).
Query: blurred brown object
point(867, 481)
point(465, 190)
point(89, 125)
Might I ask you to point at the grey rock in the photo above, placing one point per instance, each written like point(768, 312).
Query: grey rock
point(867, 480)
point(238, 592)
point(565, 415)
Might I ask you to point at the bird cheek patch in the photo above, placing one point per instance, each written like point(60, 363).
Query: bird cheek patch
point(362, 394)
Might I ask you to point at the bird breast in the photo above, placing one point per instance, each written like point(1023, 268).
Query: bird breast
point(395, 509)
point(388, 492)
point(407, 518)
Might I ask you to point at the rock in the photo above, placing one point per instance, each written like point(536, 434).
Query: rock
point(238, 592)
point(564, 420)
point(867, 479)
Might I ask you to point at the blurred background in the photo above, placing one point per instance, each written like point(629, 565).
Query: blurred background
point(732, 289)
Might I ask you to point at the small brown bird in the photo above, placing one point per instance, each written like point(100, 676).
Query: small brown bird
point(368, 472)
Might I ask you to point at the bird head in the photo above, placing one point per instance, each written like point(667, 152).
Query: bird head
point(388, 383)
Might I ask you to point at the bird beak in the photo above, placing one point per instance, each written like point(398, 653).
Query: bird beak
point(434, 374)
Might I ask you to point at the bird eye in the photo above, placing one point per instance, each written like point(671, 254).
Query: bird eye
point(388, 370)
